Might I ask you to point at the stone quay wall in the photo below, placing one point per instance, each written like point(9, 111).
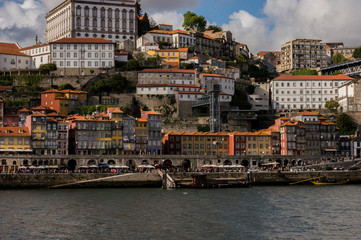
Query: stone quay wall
point(38, 181)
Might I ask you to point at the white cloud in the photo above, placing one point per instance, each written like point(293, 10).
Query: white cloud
point(171, 18)
point(156, 6)
point(21, 22)
point(284, 20)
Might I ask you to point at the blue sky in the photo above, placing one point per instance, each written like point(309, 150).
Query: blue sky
point(218, 11)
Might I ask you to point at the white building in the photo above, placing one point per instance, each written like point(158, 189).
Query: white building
point(12, 59)
point(82, 56)
point(40, 54)
point(260, 98)
point(305, 92)
point(226, 83)
point(349, 97)
point(108, 19)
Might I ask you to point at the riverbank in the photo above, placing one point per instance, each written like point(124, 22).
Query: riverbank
point(153, 180)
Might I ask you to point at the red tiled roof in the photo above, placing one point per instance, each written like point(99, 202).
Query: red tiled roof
point(82, 40)
point(167, 85)
point(167, 71)
point(11, 49)
point(5, 88)
point(151, 112)
point(14, 131)
point(315, 77)
point(307, 113)
point(214, 75)
point(24, 110)
point(34, 46)
point(38, 114)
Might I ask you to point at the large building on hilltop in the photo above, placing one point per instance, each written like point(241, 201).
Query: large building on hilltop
point(112, 20)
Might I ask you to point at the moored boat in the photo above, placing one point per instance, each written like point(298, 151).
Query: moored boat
point(320, 183)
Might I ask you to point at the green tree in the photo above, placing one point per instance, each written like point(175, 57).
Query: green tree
point(304, 72)
point(336, 73)
point(346, 124)
point(132, 65)
point(338, 58)
point(47, 68)
point(215, 28)
point(332, 105)
point(6, 80)
point(357, 53)
point(240, 99)
point(65, 86)
point(195, 22)
point(143, 25)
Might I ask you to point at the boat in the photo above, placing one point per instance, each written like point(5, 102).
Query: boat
point(327, 183)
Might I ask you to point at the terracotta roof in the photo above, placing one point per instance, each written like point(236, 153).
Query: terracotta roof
point(172, 64)
point(51, 91)
point(6, 88)
point(38, 114)
point(141, 120)
point(284, 118)
point(314, 77)
point(167, 85)
point(307, 113)
point(71, 91)
point(11, 49)
point(167, 71)
point(82, 40)
point(214, 75)
point(189, 92)
point(14, 131)
point(151, 112)
point(24, 110)
point(34, 46)
point(288, 124)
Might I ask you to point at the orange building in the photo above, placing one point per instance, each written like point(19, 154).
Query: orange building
point(63, 101)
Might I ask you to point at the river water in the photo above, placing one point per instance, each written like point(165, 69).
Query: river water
point(301, 212)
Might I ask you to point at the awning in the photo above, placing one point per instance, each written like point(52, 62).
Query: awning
point(330, 150)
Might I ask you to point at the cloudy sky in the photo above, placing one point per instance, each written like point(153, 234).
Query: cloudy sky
point(262, 24)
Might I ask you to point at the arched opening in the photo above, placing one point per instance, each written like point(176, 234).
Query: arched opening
point(285, 163)
point(186, 164)
point(25, 162)
point(130, 163)
point(71, 164)
point(245, 163)
point(145, 162)
point(299, 162)
point(92, 162)
point(46, 162)
point(40, 162)
point(34, 163)
point(14, 162)
point(227, 162)
point(167, 163)
point(111, 162)
point(279, 162)
point(293, 162)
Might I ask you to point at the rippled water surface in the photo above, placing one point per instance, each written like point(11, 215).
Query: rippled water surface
point(305, 212)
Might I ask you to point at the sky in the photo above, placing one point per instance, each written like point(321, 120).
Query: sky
point(264, 25)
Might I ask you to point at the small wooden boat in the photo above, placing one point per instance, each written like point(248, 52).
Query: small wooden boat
point(320, 183)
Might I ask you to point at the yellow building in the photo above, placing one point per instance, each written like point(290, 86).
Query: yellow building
point(36, 123)
point(14, 140)
point(170, 56)
point(116, 115)
point(259, 143)
point(141, 136)
point(215, 144)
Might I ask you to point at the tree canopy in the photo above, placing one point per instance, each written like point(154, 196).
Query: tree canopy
point(66, 86)
point(193, 21)
point(346, 124)
point(304, 72)
point(132, 65)
point(338, 58)
point(116, 83)
point(357, 53)
point(47, 68)
point(332, 105)
point(144, 25)
point(215, 28)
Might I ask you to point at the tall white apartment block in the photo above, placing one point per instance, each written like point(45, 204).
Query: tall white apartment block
point(303, 53)
point(114, 20)
point(305, 92)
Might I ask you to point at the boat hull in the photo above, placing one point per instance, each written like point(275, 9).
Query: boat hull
point(328, 183)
